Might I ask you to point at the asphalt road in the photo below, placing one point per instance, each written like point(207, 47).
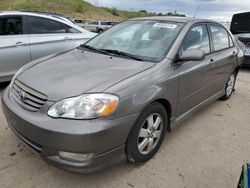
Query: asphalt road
point(208, 150)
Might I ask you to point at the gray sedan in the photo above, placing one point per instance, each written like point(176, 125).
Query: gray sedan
point(27, 36)
point(114, 98)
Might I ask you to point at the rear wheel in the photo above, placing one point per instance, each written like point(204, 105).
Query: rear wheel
point(229, 86)
point(147, 134)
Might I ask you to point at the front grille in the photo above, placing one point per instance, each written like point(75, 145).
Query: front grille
point(26, 97)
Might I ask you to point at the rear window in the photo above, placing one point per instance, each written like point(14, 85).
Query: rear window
point(240, 23)
point(37, 25)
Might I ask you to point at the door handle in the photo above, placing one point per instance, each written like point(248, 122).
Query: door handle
point(211, 63)
point(211, 60)
point(235, 54)
point(20, 44)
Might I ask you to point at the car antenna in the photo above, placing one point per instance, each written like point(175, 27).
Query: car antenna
point(197, 10)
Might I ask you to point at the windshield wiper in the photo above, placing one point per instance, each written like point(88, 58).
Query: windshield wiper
point(94, 49)
point(121, 53)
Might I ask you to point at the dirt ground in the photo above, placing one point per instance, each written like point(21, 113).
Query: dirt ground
point(208, 150)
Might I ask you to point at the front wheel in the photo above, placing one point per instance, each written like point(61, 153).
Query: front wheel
point(229, 87)
point(147, 134)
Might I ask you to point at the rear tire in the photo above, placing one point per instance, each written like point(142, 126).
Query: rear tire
point(229, 89)
point(147, 134)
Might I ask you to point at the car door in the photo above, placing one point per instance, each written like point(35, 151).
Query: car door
point(14, 46)
point(47, 37)
point(194, 76)
point(224, 56)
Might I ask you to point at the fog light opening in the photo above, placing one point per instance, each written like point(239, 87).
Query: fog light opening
point(76, 157)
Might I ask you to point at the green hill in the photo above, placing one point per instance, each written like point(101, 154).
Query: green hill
point(77, 9)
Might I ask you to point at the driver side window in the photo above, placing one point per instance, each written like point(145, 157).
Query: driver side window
point(197, 39)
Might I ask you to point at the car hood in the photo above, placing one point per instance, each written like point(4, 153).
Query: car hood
point(77, 72)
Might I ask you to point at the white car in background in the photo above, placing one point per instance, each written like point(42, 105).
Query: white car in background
point(27, 36)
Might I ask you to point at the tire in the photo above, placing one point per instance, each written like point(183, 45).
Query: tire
point(229, 89)
point(147, 134)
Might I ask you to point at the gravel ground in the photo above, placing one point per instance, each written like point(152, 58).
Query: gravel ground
point(208, 150)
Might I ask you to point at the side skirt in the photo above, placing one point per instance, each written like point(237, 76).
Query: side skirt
point(174, 122)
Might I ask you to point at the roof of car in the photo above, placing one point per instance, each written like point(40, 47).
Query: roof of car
point(174, 19)
point(53, 16)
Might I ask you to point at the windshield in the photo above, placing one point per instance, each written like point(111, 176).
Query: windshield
point(149, 40)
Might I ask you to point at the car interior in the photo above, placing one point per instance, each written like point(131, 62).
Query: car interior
point(11, 26)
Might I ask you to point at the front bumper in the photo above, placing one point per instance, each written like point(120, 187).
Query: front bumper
point(47, 136)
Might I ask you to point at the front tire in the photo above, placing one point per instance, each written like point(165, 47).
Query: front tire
point(147, 134)
point(229, 89)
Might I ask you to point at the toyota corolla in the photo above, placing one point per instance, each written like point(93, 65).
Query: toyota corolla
point(115, 97)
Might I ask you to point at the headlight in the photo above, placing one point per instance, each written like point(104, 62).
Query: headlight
point(86, 106)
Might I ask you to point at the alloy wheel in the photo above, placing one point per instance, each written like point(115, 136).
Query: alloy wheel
point(150, 134)
point(230, 85)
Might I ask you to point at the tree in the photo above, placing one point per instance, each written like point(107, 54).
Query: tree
point(143, 11)
point(115, 12)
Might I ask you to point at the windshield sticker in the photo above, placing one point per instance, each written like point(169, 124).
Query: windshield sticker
point(165, 25)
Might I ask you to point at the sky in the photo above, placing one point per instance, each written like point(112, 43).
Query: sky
point(220, 10)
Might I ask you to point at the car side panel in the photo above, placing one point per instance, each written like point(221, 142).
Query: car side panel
point(222, 67)
point(46, 44)
point(158, 82)
point(195, 82)
point(14, 53)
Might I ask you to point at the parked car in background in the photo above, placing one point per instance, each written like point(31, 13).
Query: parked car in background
point(105, 26)
point(240, 27)
point(116, 96)
point(98, 26)
point(27, 36)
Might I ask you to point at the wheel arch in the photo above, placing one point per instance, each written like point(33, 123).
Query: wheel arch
point(166, 104)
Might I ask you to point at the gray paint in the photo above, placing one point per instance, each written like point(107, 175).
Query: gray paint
point(186, 86)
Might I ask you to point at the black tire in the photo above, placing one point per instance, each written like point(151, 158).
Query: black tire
point(154, 111)
point(229, 94)
point(100, 31)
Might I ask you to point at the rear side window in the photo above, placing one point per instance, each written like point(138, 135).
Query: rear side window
point(11, 26)
point(37, 25)
point(220, 38)
point(197, 39)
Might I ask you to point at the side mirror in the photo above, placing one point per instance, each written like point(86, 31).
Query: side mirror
point(192, 55)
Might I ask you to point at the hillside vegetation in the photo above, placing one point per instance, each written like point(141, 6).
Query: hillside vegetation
point(77, 9)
